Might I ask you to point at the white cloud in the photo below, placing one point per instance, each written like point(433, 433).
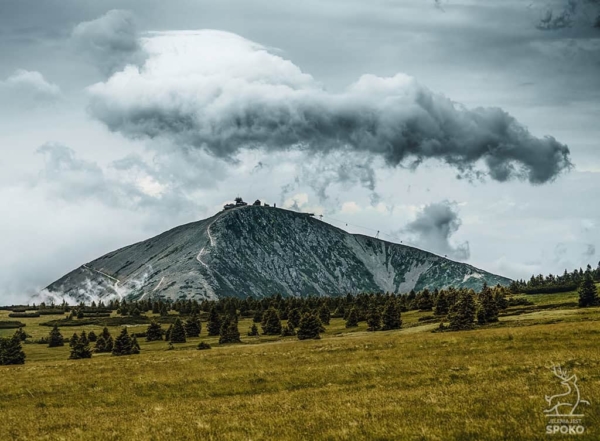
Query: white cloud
point(26, 89)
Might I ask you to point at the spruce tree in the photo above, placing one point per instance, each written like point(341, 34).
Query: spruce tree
point(258, 314)
point(73, 340)
point(154, 331)
point(193, 326)
point(124, 344)
point(214, 322)
point(352, 319)
point(310, 327)
point(288, 330)
point(253, 332)
point(229, 331)
point(105, 342)
point(373, 318)
point(588, 293)
point(425, 303)
point(81, 348)
point(324, 314)
point(294, 317)
point(271, 324)
point(441, 304)
point(178, 333)
point(168, 333)
point(462, 313)
point(391, 316)
point(135, 346)
point(11, 351)
point(488, 307)
point(92, 337)
point(55, 338)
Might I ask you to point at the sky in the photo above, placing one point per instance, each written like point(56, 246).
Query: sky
point(466, 128)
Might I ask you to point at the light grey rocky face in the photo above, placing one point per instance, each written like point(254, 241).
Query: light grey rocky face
point(261, 251)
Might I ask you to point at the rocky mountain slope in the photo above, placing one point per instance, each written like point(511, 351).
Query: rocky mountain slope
point(263, 251)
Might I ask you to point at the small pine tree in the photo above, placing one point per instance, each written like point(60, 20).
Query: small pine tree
point(105, 342)
point(324, 314)
point(462, 313)
point(154, 331)
point(441, 304)
point(258, 315)
point(588, 293)
point(55, 338)
point(424, 302)
point(193, 326)
point(229, 331)
point(391, 316)
point(135, 346)
point(253, 332)
point(488, 308)
point(288, 330)
point(11, 351)
point(214, 322)
point(80, 314)
point(373, 318)
point(178, 333)
point(80, 348)
point(124, 344)
point(73, 340)
point(271, 324)
point(21, 334)
point(352, 319)
point(100, 345)
point(168, 333)
point(92, 337)
point(310, 327)
point(294, 317)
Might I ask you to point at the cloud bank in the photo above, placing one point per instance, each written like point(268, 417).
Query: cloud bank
point(221, 93)
point(110, 41)
point(434, 226)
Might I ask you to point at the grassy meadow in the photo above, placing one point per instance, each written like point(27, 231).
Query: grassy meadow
point(485, 384)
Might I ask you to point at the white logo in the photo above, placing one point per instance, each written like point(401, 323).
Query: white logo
point(563, 407)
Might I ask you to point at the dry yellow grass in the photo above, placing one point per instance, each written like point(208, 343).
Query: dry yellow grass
point(408, 384)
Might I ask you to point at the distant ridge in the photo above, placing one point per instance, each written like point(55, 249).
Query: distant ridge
point(260, 251)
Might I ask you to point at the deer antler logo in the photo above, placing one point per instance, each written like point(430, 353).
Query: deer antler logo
point(565, 404)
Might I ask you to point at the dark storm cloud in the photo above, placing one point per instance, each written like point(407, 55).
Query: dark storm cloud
point(110, 41)
point(219, 92)
point(434, 226)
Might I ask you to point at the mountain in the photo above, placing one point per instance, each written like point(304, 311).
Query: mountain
point(256, 250)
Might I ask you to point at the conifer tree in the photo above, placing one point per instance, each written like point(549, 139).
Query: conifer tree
point(294, 317)
point(11, 351)
point(253, 332)
point(258, 315)
point(92, 337)
point(488, 308)
point(288, 330)
point(229, 331)
point(352, 319)
point(168, 333)
point(55, 338)
point(178, 333)
point(21, 334)
point(310, 327)
point(214, 322)
point(373, 318)
point(588, 293)
point(105, 342)
point(425, 302)
point(135, 346)
point(124, 344)
point(462, 313)
point(163, 310)
point(441, 304)
point(193, 326)
point(391, 316)
point(73, 340)
point(154, 331)
point(80, 348)
point(324, 314)
point(271, 324)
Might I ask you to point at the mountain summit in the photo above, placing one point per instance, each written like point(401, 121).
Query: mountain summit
point(258, 251)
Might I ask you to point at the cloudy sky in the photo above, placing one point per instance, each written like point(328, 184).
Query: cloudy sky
point(467, 128)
